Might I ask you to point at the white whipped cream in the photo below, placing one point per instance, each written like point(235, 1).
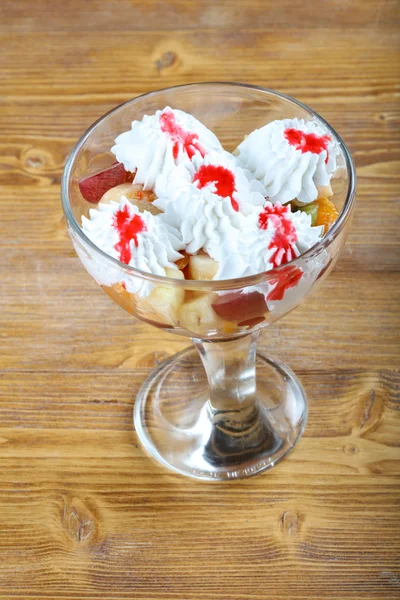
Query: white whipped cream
point(309, 269)
point(286, 171)
point(151, 250)
point(159, 142)
point(247, 192)
point(217, 172)
point(258, 249)
point(214, 201)
point(194, 202)
point(204, 220)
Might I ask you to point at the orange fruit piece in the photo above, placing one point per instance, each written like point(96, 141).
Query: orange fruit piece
point(182, 263)
point(327, 213)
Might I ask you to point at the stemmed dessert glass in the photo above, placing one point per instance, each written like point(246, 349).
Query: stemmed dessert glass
point(217, 410)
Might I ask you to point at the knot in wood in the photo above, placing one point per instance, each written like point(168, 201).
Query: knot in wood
point(166, 60)
point(34, 158)
point(78, 520)
point(35, 162)
point(350, 449)
point(290, 523)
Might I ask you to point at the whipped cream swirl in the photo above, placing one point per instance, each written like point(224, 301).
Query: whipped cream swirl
point(221, 174)
point(292, 158)
point(272, 237)
point(203, 219)
point(138, 239)
point(158, 142)
point(207, 202)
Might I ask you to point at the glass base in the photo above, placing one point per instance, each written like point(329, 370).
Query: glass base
point(179, 427)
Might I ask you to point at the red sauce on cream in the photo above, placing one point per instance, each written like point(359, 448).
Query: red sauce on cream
point(307, 142)
point(285, 235)
point(179, 137)
point(223, 179)
point(128, 227)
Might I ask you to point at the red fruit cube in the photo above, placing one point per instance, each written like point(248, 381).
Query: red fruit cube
point(237, 306)
point(95, 186)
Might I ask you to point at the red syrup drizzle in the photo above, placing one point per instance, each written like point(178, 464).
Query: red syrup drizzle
point(179, 137)
point(288, 277)
point(285, 235)
point(307, 142)
point(223, 179)
point(128, 227)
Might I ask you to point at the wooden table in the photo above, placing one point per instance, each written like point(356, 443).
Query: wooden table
point(84, 514)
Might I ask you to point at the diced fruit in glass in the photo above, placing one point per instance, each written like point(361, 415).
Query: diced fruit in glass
point(240, 307)
point(327, 213)
point(132, 191)
point(95, 186)
point(115, 193)
point(324, 191)
point(167, 299)
point(197, 315)
point(312, 210)
point(146, 205)
point(118, 293)
point(202, 267)
point(135, 194)
point(252, 322)
point(229, 328)
point(183, 262)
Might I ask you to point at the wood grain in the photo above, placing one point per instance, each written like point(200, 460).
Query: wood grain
point(84, 514)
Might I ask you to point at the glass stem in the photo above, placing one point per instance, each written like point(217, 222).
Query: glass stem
point(231, 371)
point(239, 425)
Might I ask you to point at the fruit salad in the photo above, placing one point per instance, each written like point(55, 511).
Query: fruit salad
point(176, 204)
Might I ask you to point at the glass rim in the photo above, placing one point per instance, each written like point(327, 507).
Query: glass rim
point(214, 284)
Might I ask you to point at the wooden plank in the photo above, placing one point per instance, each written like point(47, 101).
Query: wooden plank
point(84, 513)
point(91, 67)
point(102, 400)
point(128, 15)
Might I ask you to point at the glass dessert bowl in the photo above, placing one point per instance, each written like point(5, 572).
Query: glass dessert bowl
point(217, 410)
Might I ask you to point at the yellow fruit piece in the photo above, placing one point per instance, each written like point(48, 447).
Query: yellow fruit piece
point(184, 261)
point(198, 316)
point(167, 299)
point(229, 328)
point(141, 198)
point(202, 267)
point(327, 213)
point(324, 191)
